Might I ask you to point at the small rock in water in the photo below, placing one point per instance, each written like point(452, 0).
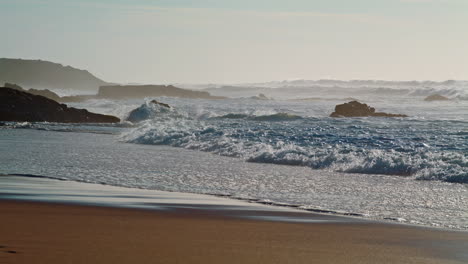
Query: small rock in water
point(357, 109)
point(161, 104)
point(436, 97)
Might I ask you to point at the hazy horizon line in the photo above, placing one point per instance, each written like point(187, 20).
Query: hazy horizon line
point(242, 82)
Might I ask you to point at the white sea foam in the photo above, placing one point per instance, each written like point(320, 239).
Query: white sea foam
point(367, 146)
point(422, 153)
point(97, 158)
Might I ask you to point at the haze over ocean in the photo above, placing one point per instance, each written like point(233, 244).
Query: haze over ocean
point(242, 41)
point(205, 131)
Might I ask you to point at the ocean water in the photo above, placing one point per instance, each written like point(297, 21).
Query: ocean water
point(285, 151)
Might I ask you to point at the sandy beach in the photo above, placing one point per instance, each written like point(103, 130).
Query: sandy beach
point(33, 232)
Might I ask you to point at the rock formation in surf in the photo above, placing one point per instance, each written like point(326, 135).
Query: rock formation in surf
point(120, 92)
point(46, 93)
point(147, 111)
point(16, 105)
point(161, 104)
point(51, 95)
point(436, 97)
point(356, 109)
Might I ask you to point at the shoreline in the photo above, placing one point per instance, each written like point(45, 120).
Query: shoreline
point(67, 192)
point(223, 204)
point(99, 159)
point(41, 232)
point(50, 226)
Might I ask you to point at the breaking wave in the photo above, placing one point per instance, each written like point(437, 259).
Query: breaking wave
point(425, 150)
point(273, 117)
point(146, 111)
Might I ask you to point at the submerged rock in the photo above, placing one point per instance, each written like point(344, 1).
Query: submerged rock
point(16, 105)
point(436, 97)
point(161, 104)
point(357, 109)
point(147, 110)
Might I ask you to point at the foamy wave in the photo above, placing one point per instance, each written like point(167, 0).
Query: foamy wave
point(146, 111)
point(272, 117)
point(323, 148)
point(450, 167)
point(97, 128)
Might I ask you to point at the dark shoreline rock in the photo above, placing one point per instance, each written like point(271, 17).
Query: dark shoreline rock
point(159, 103)
point(121, 92)
point(357, 109)
point(46, 93)
point(22, 106)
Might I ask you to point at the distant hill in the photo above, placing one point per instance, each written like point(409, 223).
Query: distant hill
point(47, 75)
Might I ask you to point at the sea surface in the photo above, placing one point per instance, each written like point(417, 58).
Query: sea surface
point(285, 152)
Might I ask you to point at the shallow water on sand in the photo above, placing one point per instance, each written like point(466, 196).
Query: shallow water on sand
point(101, 158)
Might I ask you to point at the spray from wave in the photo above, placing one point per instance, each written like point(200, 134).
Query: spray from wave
point(416, 149)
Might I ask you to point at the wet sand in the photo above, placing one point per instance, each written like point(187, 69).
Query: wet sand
point(36, 232)
point(50, 221)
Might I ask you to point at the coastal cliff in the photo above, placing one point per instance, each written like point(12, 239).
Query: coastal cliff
point(47, 75)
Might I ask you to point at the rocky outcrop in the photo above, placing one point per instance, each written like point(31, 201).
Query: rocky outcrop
point(436, 97)
point(161, 104)
point(121, 92)
point(147, 111)
point(142, 91)
point(46, 93)
point(18, 105)
point(356, 109)
point(14, 86)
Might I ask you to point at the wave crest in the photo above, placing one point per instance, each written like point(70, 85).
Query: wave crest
point(321, 149)
point(273, 117)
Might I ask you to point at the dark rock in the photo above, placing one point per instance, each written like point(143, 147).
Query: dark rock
point(436, 97)
point(17, 105)
point(46, 93)
point(161, 104)
point(356, 109)
point(14, 86)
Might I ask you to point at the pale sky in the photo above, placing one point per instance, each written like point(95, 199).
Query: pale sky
point(233, 41)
